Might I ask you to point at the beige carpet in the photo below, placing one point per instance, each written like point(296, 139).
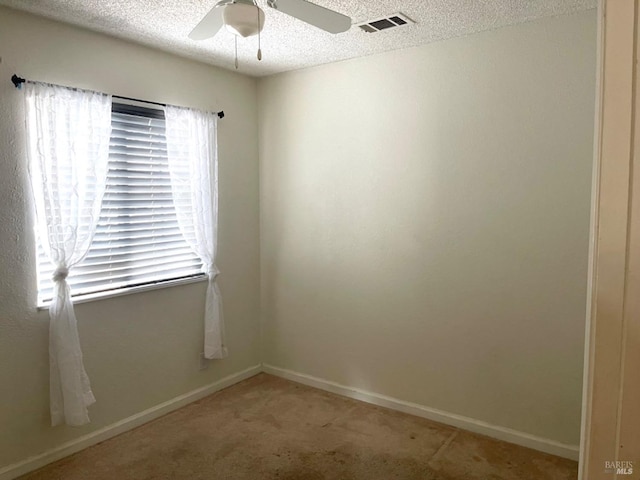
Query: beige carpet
point(269, 428)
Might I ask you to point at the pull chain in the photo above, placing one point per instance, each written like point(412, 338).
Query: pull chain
point(236, 44)
point(259, 48)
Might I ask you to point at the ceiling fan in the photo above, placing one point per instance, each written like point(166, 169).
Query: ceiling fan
point(245, 18)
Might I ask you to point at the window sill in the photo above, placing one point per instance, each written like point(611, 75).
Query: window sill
point(128, 291)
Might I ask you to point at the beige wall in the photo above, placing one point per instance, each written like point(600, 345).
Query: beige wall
point(425, 223)
point(140, 350)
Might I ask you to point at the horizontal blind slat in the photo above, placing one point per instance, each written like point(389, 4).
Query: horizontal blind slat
point(98, 259)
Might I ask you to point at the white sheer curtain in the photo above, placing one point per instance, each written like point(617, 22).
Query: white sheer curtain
point(68, 149)
point(193, 166)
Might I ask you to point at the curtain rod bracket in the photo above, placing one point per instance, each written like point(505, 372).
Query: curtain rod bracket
point(17, 81)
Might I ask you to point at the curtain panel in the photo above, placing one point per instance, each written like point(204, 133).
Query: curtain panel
point(68, 135)
point(193, 168)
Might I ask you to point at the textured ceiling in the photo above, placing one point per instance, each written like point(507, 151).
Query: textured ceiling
point(287, 43)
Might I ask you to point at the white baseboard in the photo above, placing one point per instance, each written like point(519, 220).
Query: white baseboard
point(33, 463)
point(459, 421)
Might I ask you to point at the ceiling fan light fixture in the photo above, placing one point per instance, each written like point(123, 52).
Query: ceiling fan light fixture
point(243, 19)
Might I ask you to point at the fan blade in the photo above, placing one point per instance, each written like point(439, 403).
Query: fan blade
point(332, 22)
point(208, 26)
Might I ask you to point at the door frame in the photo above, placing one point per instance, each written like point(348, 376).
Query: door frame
point(611, 395)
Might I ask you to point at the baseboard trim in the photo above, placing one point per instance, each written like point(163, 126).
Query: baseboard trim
point(38, 461)
point(459, 421)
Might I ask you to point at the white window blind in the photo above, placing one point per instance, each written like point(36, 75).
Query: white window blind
point(138, 241)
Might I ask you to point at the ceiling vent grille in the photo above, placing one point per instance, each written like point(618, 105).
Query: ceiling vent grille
point(392, 21)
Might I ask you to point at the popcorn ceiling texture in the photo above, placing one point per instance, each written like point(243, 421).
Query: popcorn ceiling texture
point(288, 43)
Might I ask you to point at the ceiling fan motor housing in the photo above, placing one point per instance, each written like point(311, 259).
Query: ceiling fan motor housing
point(243, 18)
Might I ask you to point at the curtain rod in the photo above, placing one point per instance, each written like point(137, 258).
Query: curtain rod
point(18, 81)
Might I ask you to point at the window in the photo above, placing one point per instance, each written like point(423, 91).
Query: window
point(138, 241)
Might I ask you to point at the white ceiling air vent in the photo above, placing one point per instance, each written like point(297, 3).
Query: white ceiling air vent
point(392, 21)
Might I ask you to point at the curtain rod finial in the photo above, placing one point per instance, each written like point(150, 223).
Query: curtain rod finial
point(17, 81)
point(221, 114)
